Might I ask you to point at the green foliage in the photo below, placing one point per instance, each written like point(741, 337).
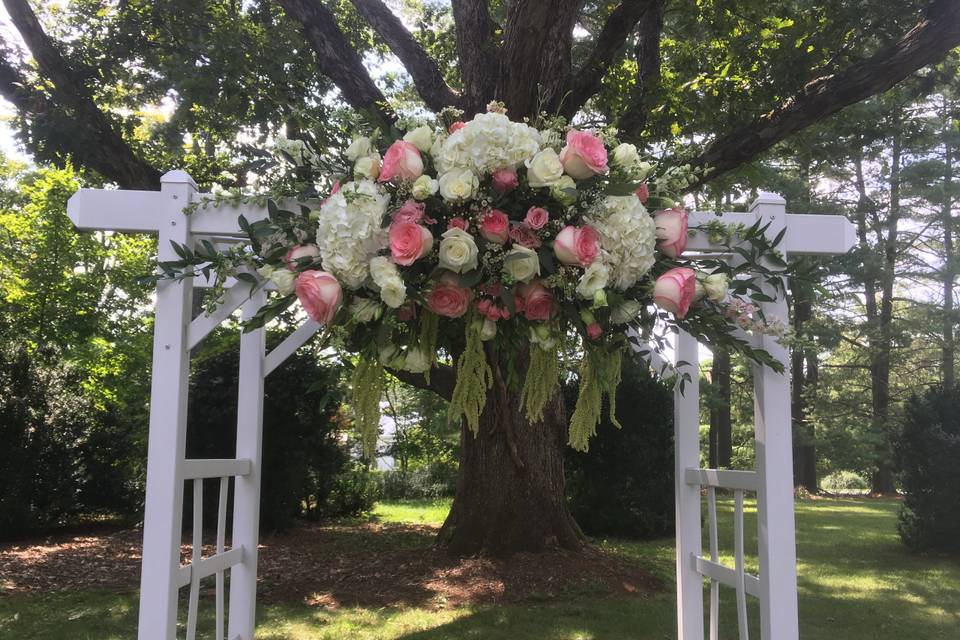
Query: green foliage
point(367, 389)
point(599, 376)
point(927, 451)
point(842, 482)
point(474, 377)
point(435, 480)
point(541, 382)
point(353, 493)
point(624, 485)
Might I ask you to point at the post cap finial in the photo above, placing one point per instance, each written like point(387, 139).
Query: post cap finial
point(177, 176)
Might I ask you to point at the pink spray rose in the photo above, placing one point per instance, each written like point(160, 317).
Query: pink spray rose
point(458, 223)
point(671, 231)
point(301, 251)
point(643, 192)
point(536, 217)
point(320, 294)
point(578, 246)
point(495, 226)
point(584, 155)
point(456, 126)
point(409, 242)
point(594, 330)
point(524, 236)
point(449, 299)
point(410, 211)
point(504, 180)
point(674, 290)
point(537, 301)
point(403, 161)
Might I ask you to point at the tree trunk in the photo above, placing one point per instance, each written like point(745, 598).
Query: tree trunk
point(721, 424)
point(949, 269)
point(510, 489)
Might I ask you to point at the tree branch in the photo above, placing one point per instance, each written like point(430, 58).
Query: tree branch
point(647, 54)
point(477, 53)
point(618, 27)
point(98, 146)
point(443, 378)
point(422, 67)
point(926, 43)
point(338, 60)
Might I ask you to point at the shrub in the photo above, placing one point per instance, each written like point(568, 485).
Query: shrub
point(435, 480)
point(624, 484)
point(927, 450)
point(354, 491)
point(845, 482)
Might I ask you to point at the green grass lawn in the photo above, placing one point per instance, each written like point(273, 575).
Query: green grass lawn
point(856, 583)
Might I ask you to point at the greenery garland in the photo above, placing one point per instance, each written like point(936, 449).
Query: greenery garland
point(474, 377)
point(542, 380)
point(367, 389)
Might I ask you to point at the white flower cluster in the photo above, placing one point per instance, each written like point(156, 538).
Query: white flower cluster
point(349, 232)
point(384, 273)
point(489, 142)
point(628, 237)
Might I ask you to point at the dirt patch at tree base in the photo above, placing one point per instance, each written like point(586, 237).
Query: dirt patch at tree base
point(368, 564)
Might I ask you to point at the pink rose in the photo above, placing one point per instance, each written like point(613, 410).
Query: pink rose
point(536, 217)
point(671, 231)
point(489, 309)
point(643, 192)
point(537, 301)
point(458, 223)
point(594, 330)
point(495, 226)
point(577, 246)
point(505, 180)
point(409, 242)
point(320, 294)
point(301, 252)
point(403, 161)
point(524, 236)
point(674, 290)
point(584, 155)
point(410, 211)
point(456, 126)
point(448, 299)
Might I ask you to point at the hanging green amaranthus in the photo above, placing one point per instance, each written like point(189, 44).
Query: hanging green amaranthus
point(543, 377)
point(427, 343)
point(599, 374)
point(474, 377)
point(367, 389)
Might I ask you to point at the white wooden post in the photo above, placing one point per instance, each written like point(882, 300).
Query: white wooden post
point(774, 453)
point(162, 525)
point(686, 429)
point(246, 501)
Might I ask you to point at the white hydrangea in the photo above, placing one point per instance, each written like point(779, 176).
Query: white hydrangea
point(489, 142)
point(349, 232)
point(627, 237)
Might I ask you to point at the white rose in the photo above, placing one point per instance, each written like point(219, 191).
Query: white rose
point(489, 330)
point(367, 167)
point(393, 292)
point(715, 286)
point(626, 157)
point(594, 279)
point(421, 138)
point(424, 187)
point(458, 251)
point(561, 190)
point(625, 312)
point(364, 309)
point(358, 148)
point(544, 169)
point(458, 184)
point(522, 264)
point(285, 281)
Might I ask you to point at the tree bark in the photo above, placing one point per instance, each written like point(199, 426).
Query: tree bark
point(721, 424)
point(949, 267)
point(477, 53)
point(804, 374)
point(510, 490)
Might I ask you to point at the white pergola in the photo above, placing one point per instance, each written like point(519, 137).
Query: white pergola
point(175, 334)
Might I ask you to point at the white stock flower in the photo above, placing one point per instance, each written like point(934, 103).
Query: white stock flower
point(544, 169)
point(384, 274)
point(421, 138)
point(424, 187)
point(521, 264)
point(458, 184)
point(489, 142)
point(349, 231)
point(359, 148)
point(594, 279)
point(458, 251)
point(628, 236)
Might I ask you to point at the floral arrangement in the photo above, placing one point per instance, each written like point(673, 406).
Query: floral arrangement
point(534, 240)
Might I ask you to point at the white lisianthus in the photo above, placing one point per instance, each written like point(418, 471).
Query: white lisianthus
point(489, 142)
point(416, 361)
point(458, 251)
point(561, 191)
point(544, 169)
point(625, 312)
point(364, 309)
point(349, 231)
point(594, 279)
point(626, 157)
point(367, 167)
point(489, 330)
point(424, 187)
point(628, 236)
point(393, 292)
point(421, 138)
point(715, 286)
point(359, 148)
point(458, 184)
point(521, 264)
